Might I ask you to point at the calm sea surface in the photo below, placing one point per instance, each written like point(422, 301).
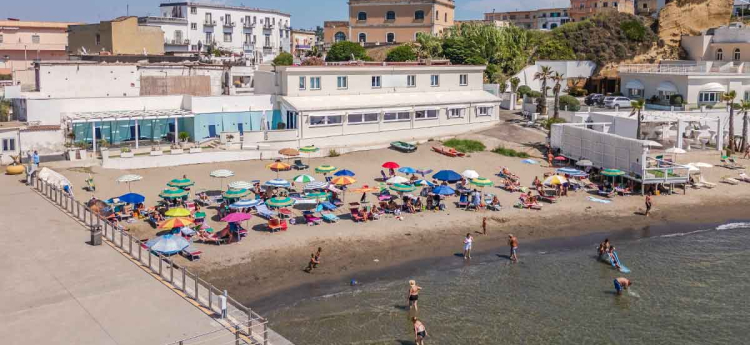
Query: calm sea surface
point(691, 287)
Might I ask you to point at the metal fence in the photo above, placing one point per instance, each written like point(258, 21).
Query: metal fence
point(245, 325)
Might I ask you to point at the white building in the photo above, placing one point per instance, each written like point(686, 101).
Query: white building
point(192, 26)
point(569, 69)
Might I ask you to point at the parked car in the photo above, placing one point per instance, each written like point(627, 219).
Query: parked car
point(592, 98)
point(600, 102)
point(622, 102)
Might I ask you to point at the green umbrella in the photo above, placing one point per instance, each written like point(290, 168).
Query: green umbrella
point(200, 215)
point(280, 202)
point(481, 182)
point(303, 178)
point(325, 169)
point(612, 172)
point(173, 193)
point(180, 183)
point(235, 193)
point(308, 149)
point(402, 187)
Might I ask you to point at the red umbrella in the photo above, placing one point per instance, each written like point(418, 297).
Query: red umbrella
point(560, 158)
point(391, 165)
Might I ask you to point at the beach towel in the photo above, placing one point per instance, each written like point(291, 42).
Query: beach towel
point(594, 199)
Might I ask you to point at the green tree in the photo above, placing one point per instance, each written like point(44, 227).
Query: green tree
point(543, 75)
point(401, 53)
point(570, 103)
point(283, 59)
point(429, 46)
point(729, 98)
point(558, 79)
point(514, 84)
point(745, 107)
point(4, 110)
point(345, 51)
point(637, 107)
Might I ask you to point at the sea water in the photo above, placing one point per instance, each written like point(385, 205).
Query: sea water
point(690, 287)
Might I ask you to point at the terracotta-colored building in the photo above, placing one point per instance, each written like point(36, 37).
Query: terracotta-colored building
point(391, 21)
point(22, 42)
point(583, 9)
point(120, 36)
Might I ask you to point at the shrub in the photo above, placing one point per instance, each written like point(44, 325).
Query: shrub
point(313, 61)
point(547, 124)
point(333, 153)
point(343, 51)
point(501, 150)
point(184, 136)
point(401, 54)
point(534, 94)
point(571, 103)
point(514, 84)
point(465, 145)
point(634, 30)
point(577, 92)
point(676, 100)
point(283, 59)
point(522, 90)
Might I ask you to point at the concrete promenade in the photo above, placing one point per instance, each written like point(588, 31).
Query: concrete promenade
point(57, 289)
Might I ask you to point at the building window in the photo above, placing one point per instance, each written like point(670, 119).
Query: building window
point(544, 26)
point(437, 16)
point(390, 37)
point(314, 83)
point(456, 113)
point(665, 95)
point(434, 80)
point(1, 38)
point(193, 26)
point(747, 96)
point(363, 118)
point(362, 16)
point(98, 39)
point(208, 19)
point(209, 38)
point(9, 144)
point(484, 111)
point(411, 80)
point(719, 54)
point(736, 54)
point(267, 42)
point(635, 93)
point(227, 37)
point(326, 120)
point(396, 116)
point(376, 82)
point(419, 15)
point(301, 83)
point(553, 25)
point(342, 82)
point(463, 79)
point(446, 17)
point(193, 10)
point(425, 114)
point(35, 39)
point(614, 4)
point(709, 97)
point(339, 37)
point(605, 4)
point(363, 37)
point(390, 15)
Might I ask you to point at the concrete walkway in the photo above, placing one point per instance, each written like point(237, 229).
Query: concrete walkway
point(57, 289)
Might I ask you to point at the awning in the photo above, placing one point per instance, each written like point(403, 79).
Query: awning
point(388, 101)
point(667, 86)
point(126, 115)
point(713, 87)
point(634, 84)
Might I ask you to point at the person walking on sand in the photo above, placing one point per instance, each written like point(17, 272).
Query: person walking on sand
point(513, 243)
point(484, 225)
point(420, 332)
point(648, 205)
point(413, 295)
point(314, 260)
point(468, 240)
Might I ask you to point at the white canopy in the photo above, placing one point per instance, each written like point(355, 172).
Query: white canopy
point(713, 87)
point(667, 86)
point(634, 84)
point(389, 100)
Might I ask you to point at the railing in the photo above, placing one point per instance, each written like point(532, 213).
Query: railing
point(209, 23)
point(229, 24)
point(245, 325)
point(247, 25)
point(679, 69)
point(177, 42)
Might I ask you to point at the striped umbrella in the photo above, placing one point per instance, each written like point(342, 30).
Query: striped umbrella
point(241, 185)
point(222, 174)
point(128, 179)
point(323, 169)
point(280, 201)
point(177, 212)
point(402, 187)
point(176, 222)
point(235, 193)
point(303, 178)
point(318, 195)
point(316, 185)
point(423, 183)
point(343, 180)
point(481, 182)
point(278, 183)
point(278, 166)
point(246, 203)
point(555, 180)
point(173, 193)
point(180, 183)
point(167, 244)
point(308, 150)
point(612, 172)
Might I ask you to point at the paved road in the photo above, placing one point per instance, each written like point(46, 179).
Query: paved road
point(56, 289)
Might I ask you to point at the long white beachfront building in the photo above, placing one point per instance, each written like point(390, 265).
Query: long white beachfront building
point(194, 26)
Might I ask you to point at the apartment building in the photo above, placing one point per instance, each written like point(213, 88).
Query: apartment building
point(303, 41)
point(647, 7)
point(582, 9)
point(193, 26)
point(391, 21)
point(120, 36)
point(542, 19)
point(23, 42)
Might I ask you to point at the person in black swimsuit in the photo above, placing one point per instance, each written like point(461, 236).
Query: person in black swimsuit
point(420, 332)
point(413, 294)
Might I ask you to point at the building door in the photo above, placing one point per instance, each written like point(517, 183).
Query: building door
point(240, 128)
point(212, 131)
point(98, 133)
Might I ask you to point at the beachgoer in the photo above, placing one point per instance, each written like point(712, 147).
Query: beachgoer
point(36, 159)
point(484, 225)
point(604, 246)
point(312, 264)
point(513, 244)
point(468, 240)
point(648, 205)
point(536, 182)
point(747, 152)
point(391, 172)
point(413, 294)
point(612, 257)
point(550, 157)
point(622, 283)
point(418, 204)
point(419, 331)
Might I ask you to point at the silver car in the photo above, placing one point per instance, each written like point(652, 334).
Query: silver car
point(619, 101)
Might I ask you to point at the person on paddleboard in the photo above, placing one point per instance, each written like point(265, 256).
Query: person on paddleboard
point(612, 257)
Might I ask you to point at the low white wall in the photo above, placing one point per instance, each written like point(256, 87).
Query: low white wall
point(46, 142)
point(218, 104)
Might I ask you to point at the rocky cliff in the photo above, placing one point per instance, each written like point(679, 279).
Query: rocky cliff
point(690, 17)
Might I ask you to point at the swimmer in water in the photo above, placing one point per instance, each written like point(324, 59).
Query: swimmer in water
point(622, 283)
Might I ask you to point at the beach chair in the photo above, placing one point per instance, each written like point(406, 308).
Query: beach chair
point(735, 164)
point(276, 224)
point(354, 212)
point(310, 218)
point(298, 165)
point(730, 164)
point(329, 217)
point(744, 178)
point(191, 253)
point(329, 178)
point(547, 198)
point(606, 192)
point(90, 185)
point(382, 175)
point(264, 212)
point(463, 201)
point(705, 183)
point(729, 180)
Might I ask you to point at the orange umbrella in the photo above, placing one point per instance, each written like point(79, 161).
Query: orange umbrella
point(176, 222)
point(278, 166)
point(366, 189)
point(343, 180)
point(289, 152)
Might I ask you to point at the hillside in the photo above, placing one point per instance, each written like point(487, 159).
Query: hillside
point(690, 17)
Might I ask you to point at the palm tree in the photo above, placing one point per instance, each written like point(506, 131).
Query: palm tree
point(557, 78)
point(543, 75)
point(729, 98)
point(744, 106)
point(637, 106)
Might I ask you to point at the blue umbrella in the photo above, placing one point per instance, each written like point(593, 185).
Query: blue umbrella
point(443, 190)
point(344, 172)
point(132, 198)
point(407, 170)
point(571, 172)
point(424, 183)
point(447, 175)
point(278, 183)
point(167, 244)
point(246, 203)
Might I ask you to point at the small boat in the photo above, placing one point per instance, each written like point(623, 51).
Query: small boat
point(403, 146)
point(448, 151)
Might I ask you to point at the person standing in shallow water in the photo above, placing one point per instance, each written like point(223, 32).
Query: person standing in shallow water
point(413, 295)
point(468, 240)
point(513, 243)
point(484, 225)
point(420, 332)
point(648, 205)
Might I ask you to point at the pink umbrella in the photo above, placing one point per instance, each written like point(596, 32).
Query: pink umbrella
point(236, 217)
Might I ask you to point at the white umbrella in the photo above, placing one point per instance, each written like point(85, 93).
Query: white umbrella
point(128, 179)
point(652, 143)
point(692, 168)
point(675, 150)
point(241, 185)
point(470, 174)
point(702, 165)
point(316, 185)
point(222, 174)
point(397, 179)
point(584, 163)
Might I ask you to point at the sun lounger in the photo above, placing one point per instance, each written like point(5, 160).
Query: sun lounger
point(730, 164)
point(706, 183)
point(547, 198)
point(298, 165)
point(329, 217)
point(264, 212)
point(355, 214)
point(310, 218)
point(744, 178)
point(276, 224)
point(191, 253)
point(729, 180)
point(463, 201)
point(606, 192)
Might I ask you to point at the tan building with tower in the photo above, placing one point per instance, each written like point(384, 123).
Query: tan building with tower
point(583, 9)
point(120, 36)
point(22, 42)
point(391, 21)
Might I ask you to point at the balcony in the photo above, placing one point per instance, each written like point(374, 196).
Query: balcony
point(177, 42)
point(248, 25)
point(229, 24)
point(209, 23)
point(248, 46)
point(683, 69)
point(268, 26)
point(303, 47)
point(268, 50)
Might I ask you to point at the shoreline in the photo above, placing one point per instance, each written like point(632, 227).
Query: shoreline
point(275, 278)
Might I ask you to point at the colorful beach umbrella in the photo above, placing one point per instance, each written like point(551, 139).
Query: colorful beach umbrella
point(324, 169)
point(407, 170)
point(176, 222)
point(397, 179)
point(278, 166)
point(240, 185)
point(132, 198)
point(236, 217)
point(303, 178)
point(447, 175)
point(584, 163)
point(470, 174)
point(167, 244)
point(277, 183)
point(344, 172)
point(246, 203)
point(181, 183)
point(555, 180)
point(571, 172)
point(343, 180)
point(280, 202)
point(316, 185)
point(318, 195)
point(612, 172)
point(366, 189)
point(398, 187)
point(481, 182)
point(423, 183)
point(173, 193)
point(235, 193)
point(391, 165)
point(308, 149)
point(529, 161)
point(443, 190)
point(177, 212)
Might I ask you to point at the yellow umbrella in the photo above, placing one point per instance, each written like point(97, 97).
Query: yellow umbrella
point(555, 180)
point(176, 222)
point(343, 180)
point(177, 212)
point(278, 166)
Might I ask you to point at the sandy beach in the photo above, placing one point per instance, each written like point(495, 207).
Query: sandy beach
point(264, 264)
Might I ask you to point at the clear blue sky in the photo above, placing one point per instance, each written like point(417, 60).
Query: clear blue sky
point(305, 13)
